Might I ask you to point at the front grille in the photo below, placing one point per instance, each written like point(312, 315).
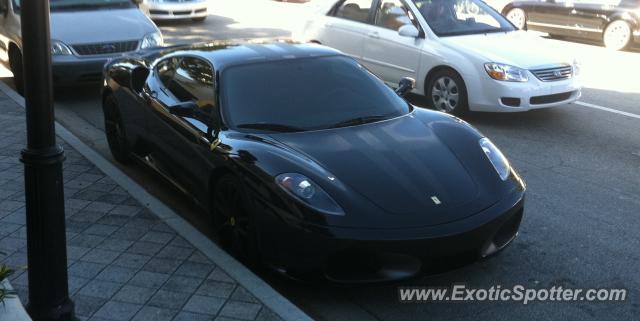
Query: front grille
point(158, 12)
point(548, 99)
point(554, 74)
point(105, 48)
point(181, 13)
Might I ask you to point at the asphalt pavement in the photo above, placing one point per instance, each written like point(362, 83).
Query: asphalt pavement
point(581, 163)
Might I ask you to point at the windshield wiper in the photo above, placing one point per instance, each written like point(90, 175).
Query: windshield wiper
point(360, 120)
point(272, 127)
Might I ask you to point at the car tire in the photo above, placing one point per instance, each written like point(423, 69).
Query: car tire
point(233, 220)
point(518, 18)
point(617, 35)
point(447, 92)
point(115, 131)
point(15, 64)
point(199, 19)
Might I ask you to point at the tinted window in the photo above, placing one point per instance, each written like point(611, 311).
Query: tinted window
point(356, 10)
point(307, 94)
point(461, 17)
point(188, 79)
point(392, 14)
point(194, 81)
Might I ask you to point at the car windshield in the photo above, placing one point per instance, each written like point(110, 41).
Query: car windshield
point(306, 94)
point(461, 17)
point(60, 5)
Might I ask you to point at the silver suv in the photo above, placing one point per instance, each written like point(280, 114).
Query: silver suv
point(85, 34)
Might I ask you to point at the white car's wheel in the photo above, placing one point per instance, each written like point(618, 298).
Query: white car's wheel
point(617, 35)
point(518, 17)
point(447, 92)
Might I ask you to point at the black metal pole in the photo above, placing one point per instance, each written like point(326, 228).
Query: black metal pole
point(46, 238)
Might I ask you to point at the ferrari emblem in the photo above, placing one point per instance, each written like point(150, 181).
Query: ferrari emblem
point(436, 200)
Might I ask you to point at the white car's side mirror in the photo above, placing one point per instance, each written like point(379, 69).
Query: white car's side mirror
point(409, 30)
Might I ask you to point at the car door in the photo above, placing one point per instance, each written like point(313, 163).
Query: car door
point(591, 16)
point(386, 53)
point(552, 16)
point(182, 143)
point(347, 25)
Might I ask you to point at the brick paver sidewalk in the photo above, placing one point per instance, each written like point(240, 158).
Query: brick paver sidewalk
point(124, 263)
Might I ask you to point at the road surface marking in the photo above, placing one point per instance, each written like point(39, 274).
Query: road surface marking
point(611, 110)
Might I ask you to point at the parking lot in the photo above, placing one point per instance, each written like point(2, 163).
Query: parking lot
point(581, 163)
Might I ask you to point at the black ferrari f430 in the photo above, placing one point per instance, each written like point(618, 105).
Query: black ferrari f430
point(308, 163)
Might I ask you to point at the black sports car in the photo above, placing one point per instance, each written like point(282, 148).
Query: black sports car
point(614, 22)
point(308, 163)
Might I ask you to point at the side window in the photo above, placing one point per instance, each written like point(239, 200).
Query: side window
point(356, 10)
point(189, 79)
point(392, 14)
point(165, 70)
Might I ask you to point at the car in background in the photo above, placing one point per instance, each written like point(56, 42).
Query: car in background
point(616, 23)
point(463, 54)
point(158, 10)
point(332, 175)
point(85, 34)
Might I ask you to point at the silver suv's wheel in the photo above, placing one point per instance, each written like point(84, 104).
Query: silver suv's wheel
point(518, 17)
point(617, 35)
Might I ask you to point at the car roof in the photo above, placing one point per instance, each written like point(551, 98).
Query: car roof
point(224, 54)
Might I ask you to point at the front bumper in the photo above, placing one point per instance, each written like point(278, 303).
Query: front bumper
point(372, 255)
point(175, 11)
point(502, 96)
point(69, 70)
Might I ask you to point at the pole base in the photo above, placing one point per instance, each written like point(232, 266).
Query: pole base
point(62, 312)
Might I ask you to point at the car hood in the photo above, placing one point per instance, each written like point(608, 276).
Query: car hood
point(514, 48)
point(401, 165)
point(95, 26)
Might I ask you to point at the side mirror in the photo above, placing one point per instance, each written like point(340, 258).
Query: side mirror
point(409, 30)
point(139, 77)
point(405, 85)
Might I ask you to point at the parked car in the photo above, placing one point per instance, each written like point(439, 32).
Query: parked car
point(195, 10)
point(614, 22)
point(463, 54)
point(333, 174)
point(85, 34)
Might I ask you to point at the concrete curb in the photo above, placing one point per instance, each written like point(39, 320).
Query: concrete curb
point(256, 286)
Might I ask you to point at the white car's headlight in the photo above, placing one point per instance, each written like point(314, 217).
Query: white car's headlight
point(576, 67)
point(60, 49)
point(152, 40)
point(308, 192)
point(497, 159)
point(506, 72)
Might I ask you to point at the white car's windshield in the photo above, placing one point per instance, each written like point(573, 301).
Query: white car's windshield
point(461, 17)
point(60, 5)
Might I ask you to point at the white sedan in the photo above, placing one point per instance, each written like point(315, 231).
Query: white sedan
point(195, 10)
point(463, 54)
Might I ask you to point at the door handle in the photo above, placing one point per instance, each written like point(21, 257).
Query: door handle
point(374, 35)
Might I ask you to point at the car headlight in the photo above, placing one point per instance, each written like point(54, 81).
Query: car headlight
point(152, 40)
point(308, 192)
point(60, 49)
point(506, 72)
point(497, 159)
point(576, 67)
